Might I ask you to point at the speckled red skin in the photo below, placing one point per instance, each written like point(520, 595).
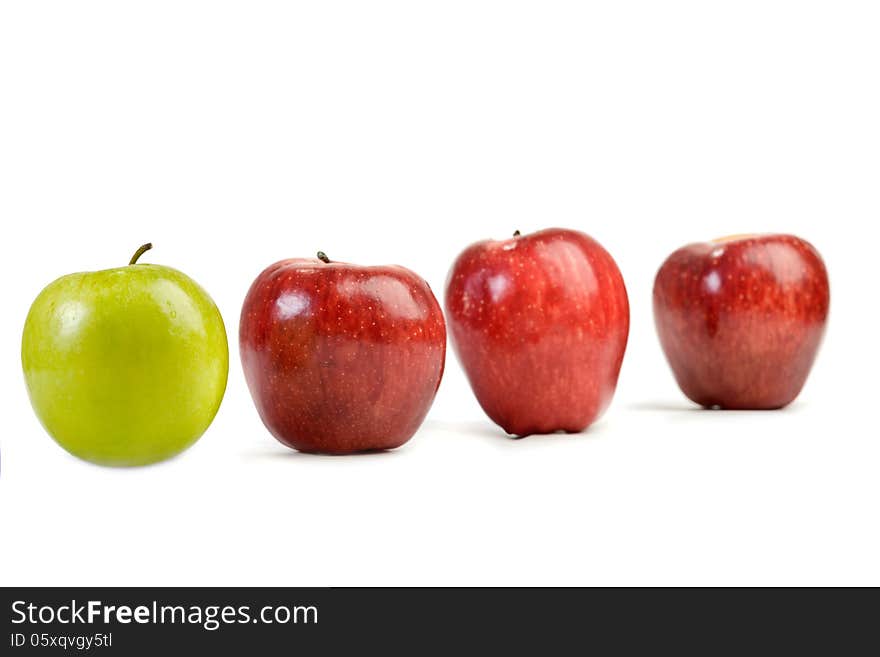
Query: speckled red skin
point(540, 324)
point(741, 319)
point(341, 358)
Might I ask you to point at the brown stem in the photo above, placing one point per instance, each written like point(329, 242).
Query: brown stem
point(516, 233)
point(141, 251)
point(323, 257)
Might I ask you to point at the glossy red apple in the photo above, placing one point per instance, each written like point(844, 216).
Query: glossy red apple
point(741, 318)
point(540, 324)
point(341, 358)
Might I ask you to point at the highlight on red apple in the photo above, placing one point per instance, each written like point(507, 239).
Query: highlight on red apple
point(341, 358)
point(741, 318)
point(540, 324)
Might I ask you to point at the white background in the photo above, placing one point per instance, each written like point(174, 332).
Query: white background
point(236, 134)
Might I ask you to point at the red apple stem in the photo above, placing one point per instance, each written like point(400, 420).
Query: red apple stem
point(516, 233)
point(323, 257)
point(142, 249)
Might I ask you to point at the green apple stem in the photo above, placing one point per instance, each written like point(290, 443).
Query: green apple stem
point(141, 251)
point(323, 257)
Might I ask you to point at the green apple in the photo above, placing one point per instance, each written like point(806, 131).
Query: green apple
point(125, 366)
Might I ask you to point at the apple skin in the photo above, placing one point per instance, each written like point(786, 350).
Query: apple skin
point(741, 319)
point(540, 324)
point(125, 366)
point(341, 358)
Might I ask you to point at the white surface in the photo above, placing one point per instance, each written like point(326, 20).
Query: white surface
point(236, 134)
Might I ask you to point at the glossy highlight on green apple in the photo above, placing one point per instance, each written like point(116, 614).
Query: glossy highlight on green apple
point(125, 366)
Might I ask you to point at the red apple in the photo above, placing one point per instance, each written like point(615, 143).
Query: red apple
point(540, 324)
point(341, 358)
point(741, 318)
